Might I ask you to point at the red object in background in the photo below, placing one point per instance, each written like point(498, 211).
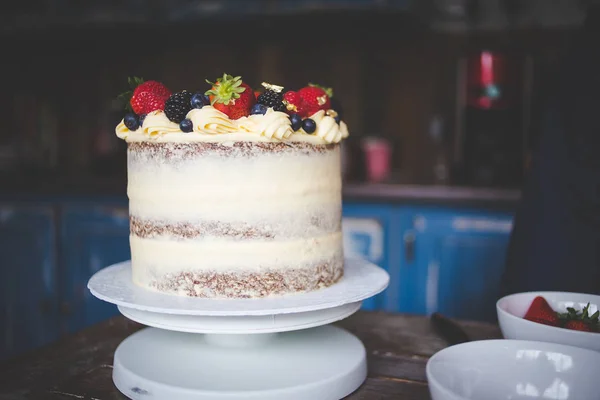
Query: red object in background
point(493, 105)
point(378, 154)
point(490, 80)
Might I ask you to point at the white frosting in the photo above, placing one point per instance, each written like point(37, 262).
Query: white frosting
point(327, 128)
point(211, 186)
point(212, 121)
point(157, 123)
point(344, 130)
point(294, 195)
point(211, 125)
point(154, 258)
point(273, 125)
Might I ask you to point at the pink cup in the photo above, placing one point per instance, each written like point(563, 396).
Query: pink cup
point(378, 154)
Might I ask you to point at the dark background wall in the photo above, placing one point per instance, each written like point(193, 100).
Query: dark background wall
point(390, 68)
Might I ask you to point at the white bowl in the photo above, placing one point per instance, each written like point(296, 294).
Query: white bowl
point(512, 308)
point(513, 369)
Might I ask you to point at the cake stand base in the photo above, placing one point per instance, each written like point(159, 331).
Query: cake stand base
point(325, 363)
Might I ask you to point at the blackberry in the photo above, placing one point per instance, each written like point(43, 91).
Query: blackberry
point(178, 105)
point(273, 99)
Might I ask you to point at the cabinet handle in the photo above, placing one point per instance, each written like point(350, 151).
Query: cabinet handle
point(409, 246)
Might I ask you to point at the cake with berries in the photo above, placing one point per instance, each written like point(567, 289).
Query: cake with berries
point(233, 192)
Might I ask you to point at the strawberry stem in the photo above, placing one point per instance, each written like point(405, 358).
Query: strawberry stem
point(226, 89)
point(328, 91)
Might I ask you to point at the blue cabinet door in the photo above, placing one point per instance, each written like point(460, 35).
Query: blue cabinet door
point(92, 238)
point(28, 292)
point(366, 234)
point(453, 261)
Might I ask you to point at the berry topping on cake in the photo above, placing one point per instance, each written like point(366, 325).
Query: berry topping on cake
point(257, 93)
point(272, 97)
point(258, 109)
point(199, 100)
point(142, 118)
point(149, 96)
point(231, 96)
point(296, 121)
point(131, 121)
point(315, 98)
point(294, 104)
point(178, 105)
point(333, 114)
point(186, 125)
point(309, 125)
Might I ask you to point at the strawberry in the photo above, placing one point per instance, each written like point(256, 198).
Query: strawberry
point(578, 325)
point(540, 311)
point(580, 320)
point(231, 96)
point(149, 96)
point(315, 98)
point(294, 104)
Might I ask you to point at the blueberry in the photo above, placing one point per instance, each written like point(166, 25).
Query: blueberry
point(199, 100)
point(186, 125)
point(131, 121)
point(142, 118)
point(258, 109)
point(309, 125)
point(296, 121)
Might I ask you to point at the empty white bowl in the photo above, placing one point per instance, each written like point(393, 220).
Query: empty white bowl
point(513, 369)
point(512, 308)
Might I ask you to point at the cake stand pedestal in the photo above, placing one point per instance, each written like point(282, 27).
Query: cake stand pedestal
point(270, 349)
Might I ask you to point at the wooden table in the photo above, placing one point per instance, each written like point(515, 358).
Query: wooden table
point(80, 366)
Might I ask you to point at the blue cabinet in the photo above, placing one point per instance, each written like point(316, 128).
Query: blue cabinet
point(452, 261)
point(28, 290)
point(93, 237)
point(439, 259)
point(367, 230)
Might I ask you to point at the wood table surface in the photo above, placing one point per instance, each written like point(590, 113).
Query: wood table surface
point(79, 366)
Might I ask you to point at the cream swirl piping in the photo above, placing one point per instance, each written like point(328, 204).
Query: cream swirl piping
point(210, 120)
point(157, 124)
point(273, 124)
point(344, 129)
point(327, 128)
point(246, 124)
point(122, 131)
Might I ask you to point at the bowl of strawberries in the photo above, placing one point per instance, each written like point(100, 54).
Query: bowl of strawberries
point(557, 317)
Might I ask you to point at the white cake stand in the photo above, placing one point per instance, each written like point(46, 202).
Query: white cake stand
point(268, 349)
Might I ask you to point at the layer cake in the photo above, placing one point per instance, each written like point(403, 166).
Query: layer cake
point(230, 205)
